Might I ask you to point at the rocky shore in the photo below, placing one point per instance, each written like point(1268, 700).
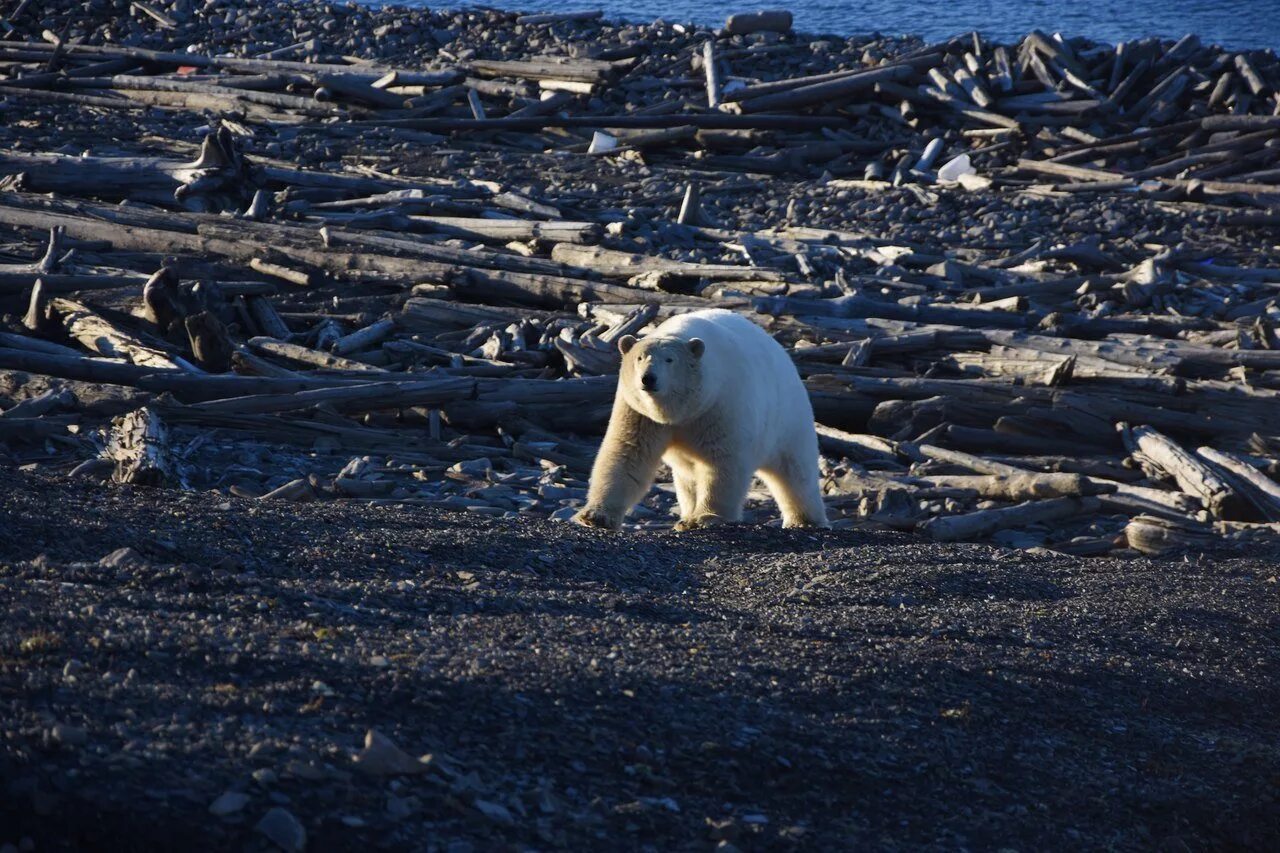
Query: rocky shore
point(308, 318)
point(337, 253)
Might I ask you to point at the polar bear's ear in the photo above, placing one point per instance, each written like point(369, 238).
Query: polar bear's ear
point(625, 343)
point(697, 347)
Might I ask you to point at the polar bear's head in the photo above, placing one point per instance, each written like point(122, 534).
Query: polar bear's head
point(661, 378)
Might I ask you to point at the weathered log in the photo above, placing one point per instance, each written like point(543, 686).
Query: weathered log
point(984, 522)
point(506, 230)
point(210, 343)
point(299, 490)
point(363, 338)
point(1192, 476)
point(546, 291)
point(712, 73)
point(558, 17)
point(613, 263)
point(1259, 488)
point(37, 316)
point(963, 460)
point(369, 397)
point(1161, 537)
point(587, 361)
point(843, 88)
point(98, 334)
point(1021, 487)
point(266, 318)
point(862, 307)
point(41, 404)
point(853, 446)
point(32, 430)
point(724, 121)
point(309, 357)
point(138, 445)
point(161, 301)
point(690, 206)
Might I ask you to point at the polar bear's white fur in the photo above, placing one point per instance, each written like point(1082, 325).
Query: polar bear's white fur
point(715, 397)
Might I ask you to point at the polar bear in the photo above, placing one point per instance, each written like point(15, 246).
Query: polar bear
point(715, 397)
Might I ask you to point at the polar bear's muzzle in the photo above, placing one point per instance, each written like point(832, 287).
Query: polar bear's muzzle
point(649, 381)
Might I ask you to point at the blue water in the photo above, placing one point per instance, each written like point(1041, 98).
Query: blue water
point(1236, 24)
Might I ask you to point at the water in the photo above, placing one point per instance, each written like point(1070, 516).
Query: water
point(1236, 24)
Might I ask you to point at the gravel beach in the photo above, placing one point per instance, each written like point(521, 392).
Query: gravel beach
point(167, 655)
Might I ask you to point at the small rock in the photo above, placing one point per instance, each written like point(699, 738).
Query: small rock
point(381, 757)
point(284, 830)
point(265, 776)
point(121, 558)
point(399, 808)
point(229, 802)
point(496, 812)
point(69, 735)
point(93, 469)
point(767, 21)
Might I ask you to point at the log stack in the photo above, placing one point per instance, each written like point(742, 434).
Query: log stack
point(1028, 286)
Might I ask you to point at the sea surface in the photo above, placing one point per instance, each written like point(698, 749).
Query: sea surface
point(1236, 24)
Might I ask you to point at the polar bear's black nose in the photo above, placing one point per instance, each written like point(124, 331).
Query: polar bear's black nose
point(649, 382)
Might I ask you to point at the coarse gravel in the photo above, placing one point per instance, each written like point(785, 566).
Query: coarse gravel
point(746, 688)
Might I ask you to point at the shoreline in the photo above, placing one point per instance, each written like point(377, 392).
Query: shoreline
point(805, 29)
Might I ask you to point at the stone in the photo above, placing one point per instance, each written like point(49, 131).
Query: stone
point(496, 812)
point(68, 735)
point(381, 757)
point(766, 21)
point(121, 558)
point(283, 829)
point(228, 802)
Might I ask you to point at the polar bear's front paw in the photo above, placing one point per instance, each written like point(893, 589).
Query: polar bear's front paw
point(596, 517)
point(698, 522)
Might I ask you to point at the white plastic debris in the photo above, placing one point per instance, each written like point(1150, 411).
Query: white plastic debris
point(952, 170)
point(601, 142)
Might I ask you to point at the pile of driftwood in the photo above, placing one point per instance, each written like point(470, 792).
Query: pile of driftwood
point(1171, 120)
point(278, 331)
